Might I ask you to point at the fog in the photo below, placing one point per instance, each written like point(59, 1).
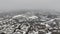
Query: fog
point(29, 4)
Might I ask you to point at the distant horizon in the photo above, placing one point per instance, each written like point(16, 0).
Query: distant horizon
point(29, 4)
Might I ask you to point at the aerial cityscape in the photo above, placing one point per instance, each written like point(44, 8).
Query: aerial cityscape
point(29, 16)
point(30, 22)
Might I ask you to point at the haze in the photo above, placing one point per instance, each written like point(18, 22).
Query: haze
point(29, 4)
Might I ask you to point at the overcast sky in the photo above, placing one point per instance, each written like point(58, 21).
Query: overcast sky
point(30, 4)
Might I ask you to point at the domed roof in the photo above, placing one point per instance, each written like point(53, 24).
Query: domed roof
point(20, 18)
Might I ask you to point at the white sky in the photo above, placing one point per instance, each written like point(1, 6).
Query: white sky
point(30, 4)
